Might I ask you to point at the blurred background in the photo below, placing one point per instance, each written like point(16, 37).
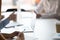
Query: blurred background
point(42, 29)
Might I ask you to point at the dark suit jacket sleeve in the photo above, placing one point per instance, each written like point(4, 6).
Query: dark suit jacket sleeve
point(4, 23)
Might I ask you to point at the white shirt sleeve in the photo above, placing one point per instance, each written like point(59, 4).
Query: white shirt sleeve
point(39, 7)
point(53, 7)
point(50, 9)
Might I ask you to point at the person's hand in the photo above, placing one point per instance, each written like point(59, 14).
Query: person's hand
point(58, 18)
point(20, 36)
point(38, 15)
point(12, 17)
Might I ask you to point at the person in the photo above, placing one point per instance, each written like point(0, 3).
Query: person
point(5, 36)
point(47, 9)
point(7, 20)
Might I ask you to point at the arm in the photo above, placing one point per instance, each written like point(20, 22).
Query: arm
point(12, 16)
point(4, 36)
point(7, 20)
point(4, 23)
point(39, 9)
point(10, 35)
point(50, 8)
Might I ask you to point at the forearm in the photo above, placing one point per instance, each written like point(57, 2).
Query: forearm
point(8, 35)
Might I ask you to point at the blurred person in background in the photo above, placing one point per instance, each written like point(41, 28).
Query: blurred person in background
point(48, 9)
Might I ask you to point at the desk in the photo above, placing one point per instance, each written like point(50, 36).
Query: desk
point(45, 29)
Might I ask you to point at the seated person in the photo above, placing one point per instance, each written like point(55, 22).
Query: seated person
point(4, 36)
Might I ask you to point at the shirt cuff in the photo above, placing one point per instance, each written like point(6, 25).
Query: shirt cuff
point(36, 11)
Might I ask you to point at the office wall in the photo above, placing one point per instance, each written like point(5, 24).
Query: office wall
point(6, 2)
point(30, 2)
